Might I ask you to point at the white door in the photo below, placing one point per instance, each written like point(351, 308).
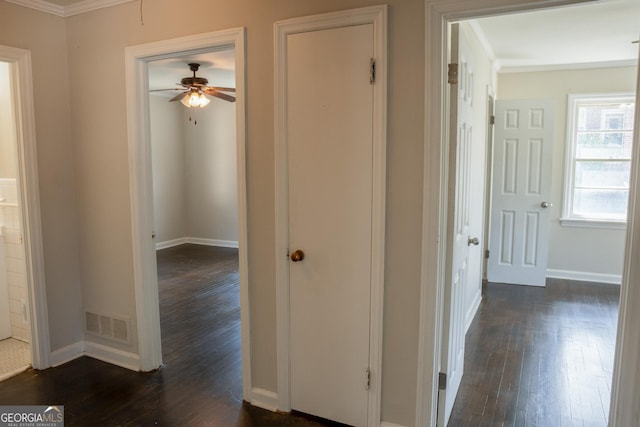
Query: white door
point(458, 237)
point(519, 237)
point(330, 148)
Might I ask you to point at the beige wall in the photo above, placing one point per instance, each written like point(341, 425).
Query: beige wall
point(167, 152)
point(194, 170)
point(96, 43)
point(584, 250)
point(55, 162)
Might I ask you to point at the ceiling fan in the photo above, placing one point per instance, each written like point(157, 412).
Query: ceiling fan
point(196, 88)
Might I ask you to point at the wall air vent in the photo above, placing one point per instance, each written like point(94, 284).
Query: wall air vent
point(115, 328)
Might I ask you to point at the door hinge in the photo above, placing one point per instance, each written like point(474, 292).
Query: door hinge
point(492, 120)
point(442, 381)
point(368, 378)
point(372, 71)
point(486, 254)
point(453, 74)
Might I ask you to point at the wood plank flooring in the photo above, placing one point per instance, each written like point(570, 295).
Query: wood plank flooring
point(201, 381)
point(540, 356)
point(535, 357)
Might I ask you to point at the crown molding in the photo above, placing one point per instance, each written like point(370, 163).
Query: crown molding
point(70, 10)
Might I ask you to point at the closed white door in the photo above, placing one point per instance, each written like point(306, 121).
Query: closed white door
point(330, 154)
point(458, 230)
point(519, 236)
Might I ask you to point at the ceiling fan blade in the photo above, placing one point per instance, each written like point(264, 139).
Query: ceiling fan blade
point(178, 97)
point(221, 89)
point(222, 96)
point(160, 90)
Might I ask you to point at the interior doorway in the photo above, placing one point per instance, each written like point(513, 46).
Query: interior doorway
point(557, 204)
point(137, 60)
point(436, 42)
point(24, 322)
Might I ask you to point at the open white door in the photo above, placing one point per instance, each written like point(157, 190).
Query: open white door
point(458, 238)
point(519, 235)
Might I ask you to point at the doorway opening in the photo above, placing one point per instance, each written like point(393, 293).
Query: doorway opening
point(436, 47)
point(194, 171)
point(15, 333)
point(139, 60)
point(24, 336)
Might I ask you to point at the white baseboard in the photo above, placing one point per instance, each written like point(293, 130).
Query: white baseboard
point(114, 356)
point(264, 399)
point(197, 241)
point(67, 354)
point(97, 351)
point(615, 279)
point(471, 313)
point(388, 424)
point(171, 243)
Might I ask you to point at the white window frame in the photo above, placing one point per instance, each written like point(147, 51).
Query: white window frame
point(568, 219)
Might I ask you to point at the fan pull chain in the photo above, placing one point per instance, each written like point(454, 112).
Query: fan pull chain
point(141, 15)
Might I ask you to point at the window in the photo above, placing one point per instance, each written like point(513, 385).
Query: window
point(599, 140)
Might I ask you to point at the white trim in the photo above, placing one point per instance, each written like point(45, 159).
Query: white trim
point(387, 424)
point(105, 353)
point(67, 354)
point(28, 189)
point(145, 271)
point(112, 355)
point(172, 243)
point(625, 389)
point(197, 241)
point(69, 10)
point(264, 399)
point(591, 223)
point(438, 13)
point(521, 67)
point(582, 276)
point(376, 15)
point(473, 309)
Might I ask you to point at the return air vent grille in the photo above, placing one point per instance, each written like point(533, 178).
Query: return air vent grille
point(115, 328)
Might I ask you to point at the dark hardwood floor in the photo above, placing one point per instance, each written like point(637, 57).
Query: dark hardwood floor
point(535, 357)
point(200, 383)
point(540, 356)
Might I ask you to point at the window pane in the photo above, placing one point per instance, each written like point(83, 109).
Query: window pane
point(605, 116)
point(605, 204)
point(602, 174)
point(604, 145)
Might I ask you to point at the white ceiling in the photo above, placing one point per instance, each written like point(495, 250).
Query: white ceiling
point(568, 37)
point(218, 67)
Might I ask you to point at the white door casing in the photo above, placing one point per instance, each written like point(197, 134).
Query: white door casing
point(330, 136)
point(458, 229)
point(29, 201)
point(141, 194)
point(521, 191)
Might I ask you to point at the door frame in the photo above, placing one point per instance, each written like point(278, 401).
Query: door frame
point(625, 394)
point(28, 187)
point(376, 15)
point(141, 186)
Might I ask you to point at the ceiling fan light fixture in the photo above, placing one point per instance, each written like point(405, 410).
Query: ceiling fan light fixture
point(195, 99)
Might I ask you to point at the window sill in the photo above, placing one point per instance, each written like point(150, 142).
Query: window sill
point(593, 223)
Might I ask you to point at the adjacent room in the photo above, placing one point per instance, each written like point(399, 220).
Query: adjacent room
point(540, 330)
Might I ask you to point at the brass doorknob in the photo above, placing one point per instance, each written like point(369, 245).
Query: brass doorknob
point(297, 255)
